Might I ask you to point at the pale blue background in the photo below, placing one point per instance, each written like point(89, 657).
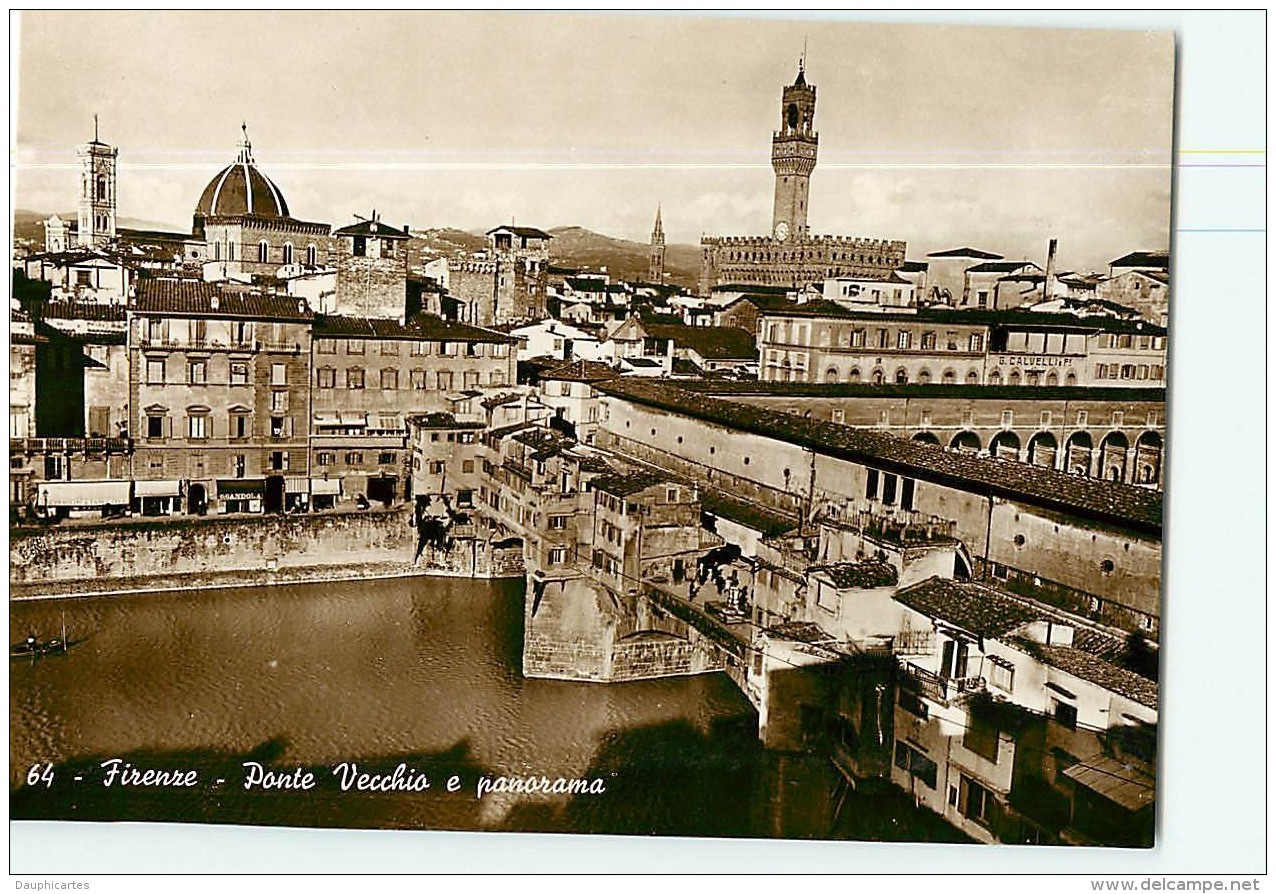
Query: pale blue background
point(1213, 717)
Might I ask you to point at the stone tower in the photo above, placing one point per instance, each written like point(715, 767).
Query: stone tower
point(372, 270)
point(656, 264)
point(793, 150)
point(97, 193)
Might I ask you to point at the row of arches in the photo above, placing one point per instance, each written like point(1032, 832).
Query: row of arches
point(287, 253)
point(1031, 377)
point(799, 256)
point(877, 376)
point(1115, 459)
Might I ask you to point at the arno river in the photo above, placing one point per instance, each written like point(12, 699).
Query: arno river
point(421, 672)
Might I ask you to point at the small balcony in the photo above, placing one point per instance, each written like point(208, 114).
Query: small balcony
point(70, 445)
point(904, 527)
point(209, 345)
point(937, 688)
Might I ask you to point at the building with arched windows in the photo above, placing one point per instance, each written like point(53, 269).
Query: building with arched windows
point(244, 219)
point(826, 343)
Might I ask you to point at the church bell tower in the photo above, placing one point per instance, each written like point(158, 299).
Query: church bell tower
point(96, 217)
point(656, 258)
point(793, 151)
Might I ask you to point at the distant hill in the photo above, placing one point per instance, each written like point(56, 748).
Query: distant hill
point(572, 247)
point(626, 260)
point(446, 242)
point(29, 225)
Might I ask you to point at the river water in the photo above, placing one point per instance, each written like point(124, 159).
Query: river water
point(419, 671)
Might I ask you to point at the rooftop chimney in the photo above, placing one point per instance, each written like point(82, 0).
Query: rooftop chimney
point(1048, 287)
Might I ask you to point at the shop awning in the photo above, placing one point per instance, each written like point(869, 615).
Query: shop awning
point(325, 486)
point(233, 487)
point(1120, 783)
point(327, 419)
point(157, 489)
point(356, 419)
point(297, 485)
point(84, 494)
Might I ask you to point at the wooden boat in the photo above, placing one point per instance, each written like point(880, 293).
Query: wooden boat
point(33, 647)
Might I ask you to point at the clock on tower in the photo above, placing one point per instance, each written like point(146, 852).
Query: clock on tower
point(793, 150)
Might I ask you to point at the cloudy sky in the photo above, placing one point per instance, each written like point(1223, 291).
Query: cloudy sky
point(999, 138)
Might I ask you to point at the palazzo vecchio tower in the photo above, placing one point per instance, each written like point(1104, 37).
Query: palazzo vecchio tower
point(790, 256)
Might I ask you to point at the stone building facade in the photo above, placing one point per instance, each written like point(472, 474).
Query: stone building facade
point(372, 270)
point(219, 394)
point(371, 375)
point(822, 341)
point(522, 274)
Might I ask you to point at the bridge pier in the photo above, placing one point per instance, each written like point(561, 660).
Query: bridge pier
point(577, 627)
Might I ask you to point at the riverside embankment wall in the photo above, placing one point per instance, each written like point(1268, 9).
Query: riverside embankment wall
point(183, 553)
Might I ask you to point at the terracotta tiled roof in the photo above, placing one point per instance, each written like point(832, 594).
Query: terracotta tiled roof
point(980, 610)
point(1122, 504)
point(528, 232)
point(1144, 259)
point(83, 310)
point(965, 253)
point(765, 302)
point(422, 327)
point(1087, 666)
point(69, 258)
point(768, 522)
point(801, 632)
point(585, 284)
point(863, 575)
point(441, 421)
point(192, 297)
point(131, 235)
point(1015, 317)
point(623, 485)
point(580, 371)
point(593, 462)
point(752, 289)
point(1000, 266)
point(710, 342)
point(999, 393)
point(500, 400)
point(498, 434)
point(371, 228)
point(651, 318)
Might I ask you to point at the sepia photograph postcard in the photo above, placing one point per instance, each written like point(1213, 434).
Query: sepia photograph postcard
point(630, 425)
